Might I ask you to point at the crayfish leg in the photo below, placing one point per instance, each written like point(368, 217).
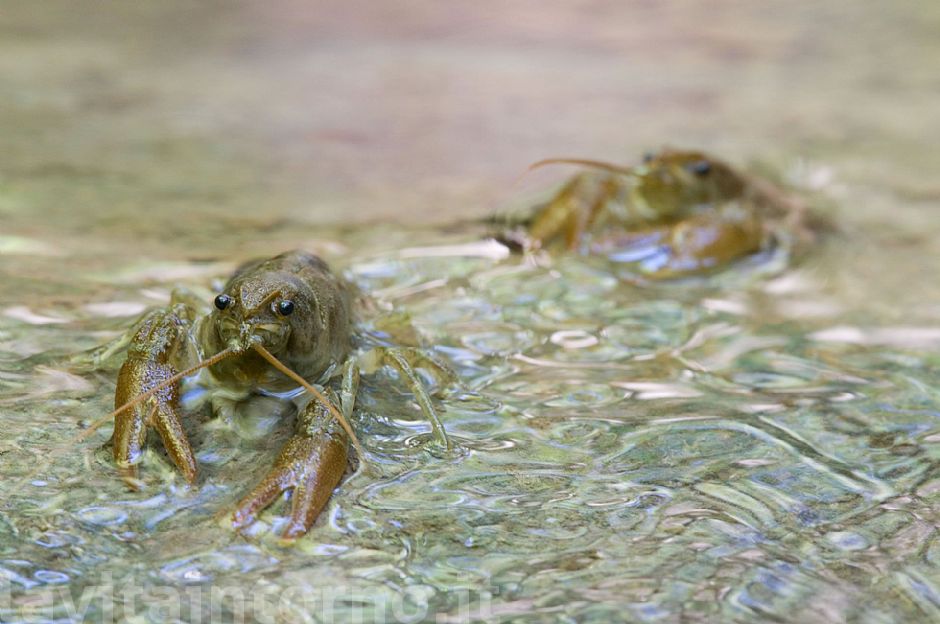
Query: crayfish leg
point(564, 214)
point(405, 360)
point(580, 205)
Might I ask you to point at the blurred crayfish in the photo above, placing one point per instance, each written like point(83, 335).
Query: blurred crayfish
point(678, 213)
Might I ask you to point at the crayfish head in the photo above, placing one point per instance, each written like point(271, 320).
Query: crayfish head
point(673, 181)
point(293, 307)
point(252, 315)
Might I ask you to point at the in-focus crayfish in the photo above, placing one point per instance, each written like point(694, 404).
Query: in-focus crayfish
point(279, 326)
point(678, 213)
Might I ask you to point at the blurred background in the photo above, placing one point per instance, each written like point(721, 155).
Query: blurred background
point(173, 119)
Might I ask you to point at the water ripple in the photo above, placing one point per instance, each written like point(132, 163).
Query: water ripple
point(632, 450)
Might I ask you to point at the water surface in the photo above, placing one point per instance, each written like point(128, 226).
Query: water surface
point(759, 446)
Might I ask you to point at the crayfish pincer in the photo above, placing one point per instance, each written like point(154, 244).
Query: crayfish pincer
point(279, 325)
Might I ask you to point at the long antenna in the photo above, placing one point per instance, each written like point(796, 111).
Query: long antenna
point(596, 164)
point(276, 363)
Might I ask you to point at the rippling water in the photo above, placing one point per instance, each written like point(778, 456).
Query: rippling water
point(760, 446)
point(702, 450)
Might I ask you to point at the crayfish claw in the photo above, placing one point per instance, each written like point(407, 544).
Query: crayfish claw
point(149, 364)
point(127, 443)
point(311, 464)
point(166, 421)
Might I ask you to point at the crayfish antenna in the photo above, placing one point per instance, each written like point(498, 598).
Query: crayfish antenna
point(585, 162)
point(276, 363)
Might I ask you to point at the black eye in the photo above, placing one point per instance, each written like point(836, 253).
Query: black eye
point(286, 307)
point(700, 167)
point(223, 301)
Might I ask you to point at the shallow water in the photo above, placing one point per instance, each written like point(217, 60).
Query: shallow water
point(743, 451)
point(759, 446)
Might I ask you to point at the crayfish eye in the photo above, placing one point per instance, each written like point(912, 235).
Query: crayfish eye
point(700, 167)
point(223, 301)
point(285, 307)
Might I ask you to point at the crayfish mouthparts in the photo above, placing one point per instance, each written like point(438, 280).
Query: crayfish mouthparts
point(248, 335)
point(244, 341)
